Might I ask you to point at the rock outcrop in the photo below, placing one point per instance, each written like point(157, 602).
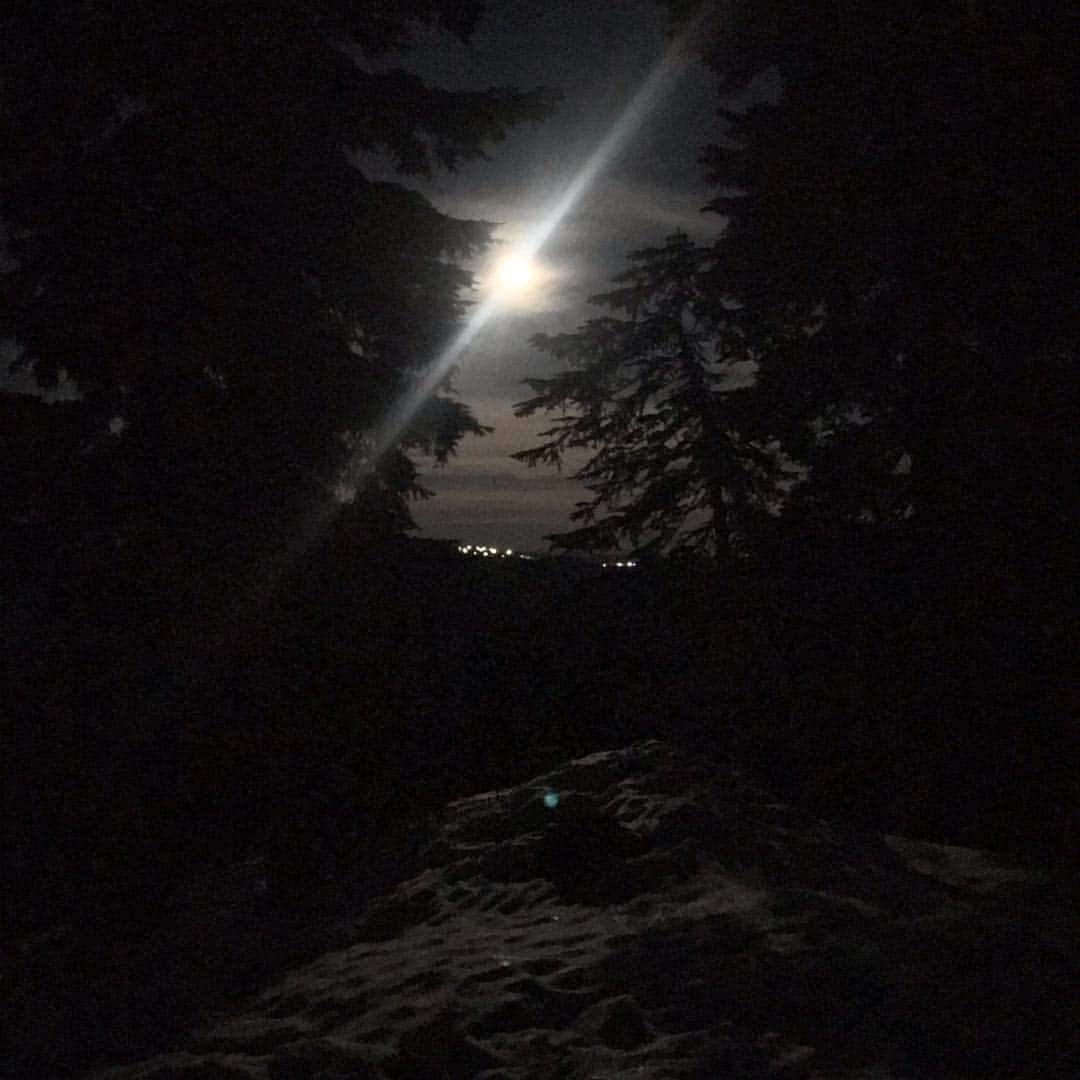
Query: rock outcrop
point(642, 913)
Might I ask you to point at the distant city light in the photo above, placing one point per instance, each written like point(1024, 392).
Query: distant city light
point(489, 552)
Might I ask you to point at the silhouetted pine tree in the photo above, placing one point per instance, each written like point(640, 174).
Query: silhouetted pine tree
point(199, 246)
point(898, 260)
point(903, 240)
point(655, 392)
point(197, 242)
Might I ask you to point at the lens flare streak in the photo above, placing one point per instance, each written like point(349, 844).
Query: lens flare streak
point(661, 80)
point(264, 578)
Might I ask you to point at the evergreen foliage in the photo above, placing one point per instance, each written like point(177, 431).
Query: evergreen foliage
point(656, 392)
point(898, 260)
point(906, 199)
point(192, 233)
point(198, 245)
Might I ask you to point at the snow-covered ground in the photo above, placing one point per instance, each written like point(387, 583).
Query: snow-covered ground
point(642, 913)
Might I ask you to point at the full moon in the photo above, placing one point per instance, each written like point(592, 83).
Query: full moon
point(513, 274)
point(513, 279)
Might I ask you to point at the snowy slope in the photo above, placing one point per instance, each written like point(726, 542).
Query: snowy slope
point(640, 913)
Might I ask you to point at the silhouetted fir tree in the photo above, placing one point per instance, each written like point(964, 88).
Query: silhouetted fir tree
point(200, 248)
point(902, 239)
point(197, 242)
point(655, 391)
point(899, 262)
point(903, 243)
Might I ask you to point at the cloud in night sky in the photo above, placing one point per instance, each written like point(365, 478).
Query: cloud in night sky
point(598, 56)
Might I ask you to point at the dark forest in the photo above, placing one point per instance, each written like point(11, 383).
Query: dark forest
point(856, 572)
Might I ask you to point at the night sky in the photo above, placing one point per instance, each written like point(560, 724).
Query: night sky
point(598, 55)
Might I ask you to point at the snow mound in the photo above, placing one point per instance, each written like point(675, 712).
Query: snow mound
point(644, 913)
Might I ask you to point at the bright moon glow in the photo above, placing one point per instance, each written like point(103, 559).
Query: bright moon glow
point(522, 272)
point(522, 275)
point(513, 274)
point(515, 279)
point(660, 81)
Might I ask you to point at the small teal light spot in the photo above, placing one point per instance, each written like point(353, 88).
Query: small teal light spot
point(551, 800)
